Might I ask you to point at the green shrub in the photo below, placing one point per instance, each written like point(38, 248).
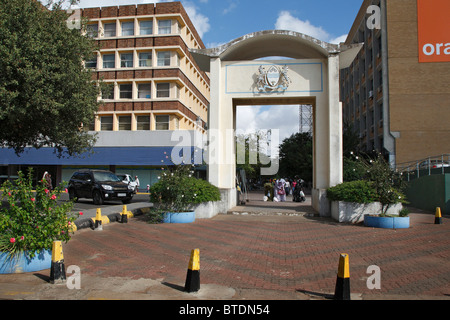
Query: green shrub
point(178, 191)
point(358, 191)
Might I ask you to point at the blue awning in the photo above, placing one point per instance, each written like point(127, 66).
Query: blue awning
point(132, 156)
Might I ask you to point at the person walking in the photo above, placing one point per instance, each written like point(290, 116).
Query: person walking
point(137, 183)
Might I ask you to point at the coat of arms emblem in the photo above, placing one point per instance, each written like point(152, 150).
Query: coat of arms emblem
point(273, 78)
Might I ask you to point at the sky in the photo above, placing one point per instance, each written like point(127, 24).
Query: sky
point(220, 21)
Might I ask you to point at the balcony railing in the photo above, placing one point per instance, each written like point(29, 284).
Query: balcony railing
point(425, 167)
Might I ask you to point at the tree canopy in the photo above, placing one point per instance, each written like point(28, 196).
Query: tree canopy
point(46, 93)
point(296, 156)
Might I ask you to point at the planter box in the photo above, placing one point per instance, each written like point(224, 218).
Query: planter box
point(386, 222)
point(179, 217)
point(342, 211)
point(21, 262)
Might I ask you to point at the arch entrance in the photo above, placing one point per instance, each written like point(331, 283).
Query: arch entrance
point(311, 76)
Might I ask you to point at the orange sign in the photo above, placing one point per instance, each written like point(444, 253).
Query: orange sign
point(434, 26)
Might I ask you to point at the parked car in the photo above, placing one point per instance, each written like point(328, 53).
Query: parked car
point(433, 164)
point(129, 180)
point(99, 185)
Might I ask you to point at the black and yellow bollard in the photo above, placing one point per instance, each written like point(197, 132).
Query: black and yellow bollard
point(193, 274)
point(438, 216)
point(98, 220)
point(57, 271)
point(342, 290)
point(124, 215)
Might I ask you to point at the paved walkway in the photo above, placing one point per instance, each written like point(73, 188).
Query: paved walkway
point(247, 256)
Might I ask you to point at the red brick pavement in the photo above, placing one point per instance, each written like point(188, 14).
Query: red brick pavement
point(285, 253)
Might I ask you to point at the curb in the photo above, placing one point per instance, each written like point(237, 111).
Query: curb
point(106, 219)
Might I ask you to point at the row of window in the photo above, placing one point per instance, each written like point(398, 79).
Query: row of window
point(162, 122)
point(143, 90)
point(127, 28)
point(144, 59)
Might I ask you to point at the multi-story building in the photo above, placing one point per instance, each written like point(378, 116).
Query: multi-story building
point(157, 88)
point(397, 104)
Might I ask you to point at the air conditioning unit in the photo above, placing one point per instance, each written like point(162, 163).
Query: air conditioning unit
point(371, 94)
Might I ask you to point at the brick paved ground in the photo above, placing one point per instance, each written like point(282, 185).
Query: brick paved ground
point(284, 253)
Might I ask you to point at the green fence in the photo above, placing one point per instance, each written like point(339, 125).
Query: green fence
point(430, 192)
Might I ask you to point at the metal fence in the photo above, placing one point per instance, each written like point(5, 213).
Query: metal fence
point(425, 167)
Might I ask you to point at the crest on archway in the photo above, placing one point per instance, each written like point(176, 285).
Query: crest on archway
point(273, 79)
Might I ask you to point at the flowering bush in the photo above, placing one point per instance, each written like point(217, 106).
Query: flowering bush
point(178, 191)
point(33, 220)
point(377, 182)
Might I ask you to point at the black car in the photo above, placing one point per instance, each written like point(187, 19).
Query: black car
point(99, 185)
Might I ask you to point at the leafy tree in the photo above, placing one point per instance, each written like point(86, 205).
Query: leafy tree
point(46, 93)
point(296, 156)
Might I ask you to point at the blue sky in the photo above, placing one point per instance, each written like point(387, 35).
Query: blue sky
point(220, 21)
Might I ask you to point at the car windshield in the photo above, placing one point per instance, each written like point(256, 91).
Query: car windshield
point(106, 176)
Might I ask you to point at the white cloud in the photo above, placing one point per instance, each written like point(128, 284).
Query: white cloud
point(286, 21)
point(286, 119)
point(201, 22)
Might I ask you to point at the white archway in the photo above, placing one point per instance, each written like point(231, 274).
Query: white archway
point(314, 79)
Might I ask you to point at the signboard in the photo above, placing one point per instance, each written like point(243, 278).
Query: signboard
point(433, 30)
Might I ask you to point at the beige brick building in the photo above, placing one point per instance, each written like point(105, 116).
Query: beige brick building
point(144, 55)
point(397, 104)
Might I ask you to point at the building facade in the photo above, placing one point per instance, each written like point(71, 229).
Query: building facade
point(156, 88)
point(397, 104)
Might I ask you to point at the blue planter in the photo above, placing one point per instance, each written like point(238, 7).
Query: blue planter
point(386, 222)
point(22, 262)
point(179, 217)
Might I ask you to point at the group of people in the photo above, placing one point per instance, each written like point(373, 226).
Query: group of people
point(283, 187)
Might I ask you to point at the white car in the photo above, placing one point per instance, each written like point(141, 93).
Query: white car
point(128, 179)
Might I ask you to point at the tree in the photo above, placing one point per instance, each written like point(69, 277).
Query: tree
point(296, 156)
point(46, 93)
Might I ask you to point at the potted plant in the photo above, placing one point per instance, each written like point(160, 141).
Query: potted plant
point(29, 224)
point(381, 189)
point(177, 193)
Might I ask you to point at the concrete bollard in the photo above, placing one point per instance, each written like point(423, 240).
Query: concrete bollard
point(57, 271)
point(438, 216)
point(98, 220)
point(342, 290)
point(193, 274)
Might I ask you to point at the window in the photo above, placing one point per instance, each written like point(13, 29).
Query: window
point(165, 26)
point(108, 92)
point(92, 62)
point(126, 91)
point(128, 28)
point(163, 90)
point(106, 123)
point(144, 91)
point(164, 59)
point(110, 30)
point(162, 122)
point(145, 59)
point(146, 27)
point(126, 60)
point(143, 122)
point(124, 123)
point(109, 61)
point(92, 30)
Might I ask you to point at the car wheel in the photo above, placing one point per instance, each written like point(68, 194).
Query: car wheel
point(72, 195)
point(97, 197)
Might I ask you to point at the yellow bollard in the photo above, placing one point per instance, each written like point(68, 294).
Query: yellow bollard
point(124, 215)
point(57, 271)
point(193, 274)
point(98, 220)
point(438, 216)
point(342, 290)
